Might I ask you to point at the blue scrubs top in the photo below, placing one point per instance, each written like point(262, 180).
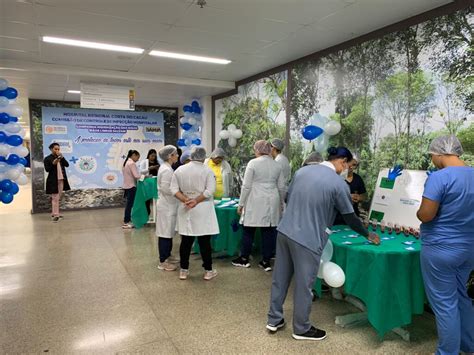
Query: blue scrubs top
point(453, 189)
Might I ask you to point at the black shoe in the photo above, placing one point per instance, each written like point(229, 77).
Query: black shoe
point(274, 328)
point(312, 334)
point(265, 265)
point(241, 262)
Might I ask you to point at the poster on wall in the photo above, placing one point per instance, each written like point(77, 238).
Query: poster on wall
point(96, 142)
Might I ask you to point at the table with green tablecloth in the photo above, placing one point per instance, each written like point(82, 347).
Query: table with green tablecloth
point(146, 190)
point(387, 278)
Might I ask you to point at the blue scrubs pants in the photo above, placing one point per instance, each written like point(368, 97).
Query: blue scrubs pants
point(446, 270)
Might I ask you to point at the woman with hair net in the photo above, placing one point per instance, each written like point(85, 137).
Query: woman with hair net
point(166, 208)
point(447, 245)
point(222, 171)
point(185, 157)
point(261, 203)
point(277, 148)
point(194, 185)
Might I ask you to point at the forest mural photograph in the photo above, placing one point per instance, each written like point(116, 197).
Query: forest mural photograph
point(391, 97)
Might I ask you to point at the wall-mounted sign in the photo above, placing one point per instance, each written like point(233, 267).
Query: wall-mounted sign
point(109, 97)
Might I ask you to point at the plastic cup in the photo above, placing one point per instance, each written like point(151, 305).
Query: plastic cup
point(390, 228)
point(398, 229)
point(382, 226)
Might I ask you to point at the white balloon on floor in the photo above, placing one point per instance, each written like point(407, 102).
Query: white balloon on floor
point(333, 274)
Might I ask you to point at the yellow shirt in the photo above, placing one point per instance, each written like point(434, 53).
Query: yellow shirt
point(218, 173)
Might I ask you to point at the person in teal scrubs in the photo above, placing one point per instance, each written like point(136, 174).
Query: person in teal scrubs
point(447, 245)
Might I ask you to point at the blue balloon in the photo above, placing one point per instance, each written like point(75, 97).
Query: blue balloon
point(188, 142)
point(6, 197)
point(2, 159)
point(13, 159)
point(196, 109)
point(13, 119)
point(194, 104)
point(14, 189)
point(3, 137)
point(14, 140)
point(10, 93)
point(181, 142)
point(311, 132)
point(186, 126)
point(196, 141)
point(6, 184)
point(23, 161)
point(4, 118)
point(187, 108)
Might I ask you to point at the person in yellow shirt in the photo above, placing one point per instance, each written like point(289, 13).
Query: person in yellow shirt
point(222, 171)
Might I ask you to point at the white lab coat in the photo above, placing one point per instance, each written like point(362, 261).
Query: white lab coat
point(226, 172)
point(285, 167)
point(143, 167)
point(263, 193)
point(167, 205)
point(194, 179)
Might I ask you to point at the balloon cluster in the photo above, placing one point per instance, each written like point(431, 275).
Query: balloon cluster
point(232, 133)
point(319, 131)
point(12, 152)
point(332, 273)
point(191, 123)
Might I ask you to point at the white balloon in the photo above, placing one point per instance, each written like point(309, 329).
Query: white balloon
point(183, 120)
point(236, 134)
point(3, 83)
point(12, 174)
point(333, 274)
point(332, 128)
point(232, 141)
point(2, 176)
point(3, 167)
point(12, 127)
point(19, 167)
point(4, 150)
point(327, 251)
point(231, 127)
point(14, 110)
point(22, 133)
point(192, 121)
point(20, 150)
point(4, 101)
point(22, 180)
point(320, 270)
point(224, 134)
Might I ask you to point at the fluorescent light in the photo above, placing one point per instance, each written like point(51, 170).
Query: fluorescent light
point(94, 45)
point(74, 91)
point(190, 57)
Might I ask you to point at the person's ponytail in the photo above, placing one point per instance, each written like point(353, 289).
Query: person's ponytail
point(130, 153)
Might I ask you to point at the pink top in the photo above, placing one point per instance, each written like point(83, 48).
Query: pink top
point(130, 174)
point(60, 171)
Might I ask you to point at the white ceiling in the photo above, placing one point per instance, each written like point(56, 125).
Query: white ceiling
point(255, 34)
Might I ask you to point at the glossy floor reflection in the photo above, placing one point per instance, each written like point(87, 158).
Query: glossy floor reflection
point(86, 286)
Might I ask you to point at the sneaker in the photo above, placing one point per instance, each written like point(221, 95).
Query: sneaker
point(265, 265)
point(127, 226)
point(172, 260)
point(312, 334)
point(55, 219)
point(241, 262)
point(209, 275)
point(167, 266)
point(274, 328)
point(61, 217)
point(183, 274)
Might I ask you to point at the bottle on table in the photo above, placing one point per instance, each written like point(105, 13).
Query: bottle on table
point(398, 229)
point(374, 222)
point(382, 226)
point(390, 227)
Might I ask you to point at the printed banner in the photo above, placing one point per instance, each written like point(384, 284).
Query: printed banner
point(96, 142)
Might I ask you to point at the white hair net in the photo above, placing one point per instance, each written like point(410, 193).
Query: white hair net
point(262, 147)
point(218, 153)
point(277, 143)
point(185, 156)
point(313, 158)
point(165, 152)
point(446, 145)
point(198, 153)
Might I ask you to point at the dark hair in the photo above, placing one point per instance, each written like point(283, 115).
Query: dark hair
point(150, 152)
point(52, 145)
point(338, 153)
point(180, 152)
point(130, 153)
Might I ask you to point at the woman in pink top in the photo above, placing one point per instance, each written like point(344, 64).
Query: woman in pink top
point(130, 177)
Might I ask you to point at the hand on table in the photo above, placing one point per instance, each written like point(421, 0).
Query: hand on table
point(239, 210)
point(374, 238)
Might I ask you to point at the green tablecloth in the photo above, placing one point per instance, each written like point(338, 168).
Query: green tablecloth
point(146, 190)
point(386, 277)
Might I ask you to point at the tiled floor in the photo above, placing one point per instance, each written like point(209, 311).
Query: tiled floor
point(85, 285)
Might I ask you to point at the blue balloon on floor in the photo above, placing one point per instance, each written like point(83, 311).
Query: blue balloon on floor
point(10, 93)
point(6, 197)
point(311, 132)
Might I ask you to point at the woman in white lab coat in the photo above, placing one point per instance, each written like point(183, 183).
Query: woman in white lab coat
point(194, 185)
point(222, 171)
point(166, 207)
point(261, 204)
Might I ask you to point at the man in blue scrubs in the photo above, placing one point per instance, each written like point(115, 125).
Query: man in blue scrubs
point(315, 194)
point(447, 251)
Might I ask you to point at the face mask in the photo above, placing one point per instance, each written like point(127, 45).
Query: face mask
point(344, 173)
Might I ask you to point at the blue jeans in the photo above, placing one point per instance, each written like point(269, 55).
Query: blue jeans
point(445, 270)
point(130, 196)
point(268, 242)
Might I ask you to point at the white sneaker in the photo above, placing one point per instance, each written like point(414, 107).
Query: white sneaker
point(209, 275)
point(127, 226)
point(183, 274)
point(172, 260)
point(167, 266)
